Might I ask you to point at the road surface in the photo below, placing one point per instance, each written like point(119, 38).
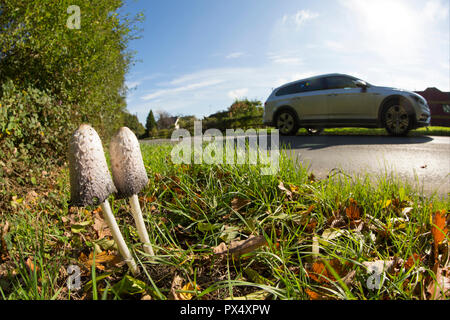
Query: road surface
point(422, 161)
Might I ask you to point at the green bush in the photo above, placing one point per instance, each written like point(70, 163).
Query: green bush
point(34, 127)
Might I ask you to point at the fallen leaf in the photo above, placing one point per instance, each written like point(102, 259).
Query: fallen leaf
point(320, 273)
point(439, 288)
point(238, 248)
point(313, 295)
point(187, 295)
point(101, 227)
point(439, 229)
point(100, 259)
point(31, 265)
point(158, 177)
point(228, 234)
point(177, 284)
point(412, 260)
point(238, 203)
point(283, 188)
point(353, 211)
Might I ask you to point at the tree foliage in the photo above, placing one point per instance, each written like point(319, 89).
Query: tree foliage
point(53, 78)
point(132, 122)
point(84, 68)
point(150, 124)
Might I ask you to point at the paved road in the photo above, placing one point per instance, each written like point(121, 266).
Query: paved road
point(427, 158)
point(423, 161)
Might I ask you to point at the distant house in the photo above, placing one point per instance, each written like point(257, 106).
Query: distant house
point(439, 103)
point(168, 123)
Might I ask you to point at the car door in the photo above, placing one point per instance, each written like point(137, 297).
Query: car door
point(345, 101)
point(310, 103)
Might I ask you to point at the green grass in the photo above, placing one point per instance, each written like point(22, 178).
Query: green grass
point(189, 212)
point(426, 131)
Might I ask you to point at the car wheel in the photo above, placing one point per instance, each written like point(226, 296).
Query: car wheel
point(286, 123)
point(396, 119)
point(314, 131)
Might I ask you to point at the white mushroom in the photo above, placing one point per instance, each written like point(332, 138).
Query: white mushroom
point(91, 183)
point(130, 177)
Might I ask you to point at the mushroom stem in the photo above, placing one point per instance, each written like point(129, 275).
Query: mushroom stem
point(117, 235)
point(140, 225)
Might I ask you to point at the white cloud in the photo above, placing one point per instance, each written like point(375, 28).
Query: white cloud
point(238, 93)
point(299, 18)
point(235, 55)
point(209, 90)
point(288, 60)
point(189, 87)
point(334, 45)
point(435, 9)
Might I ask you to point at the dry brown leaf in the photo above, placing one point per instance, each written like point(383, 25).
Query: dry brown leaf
point(158, 177)
point(311, 226)
point(238, 248)
point(319, 272)
point(313, 295)
point(31, 265)
point(101, 227)
point(439, 228)
point(238, 203)
point(177, 284)
point(412, 260)
point(283, 188)
point(439, 289)
point(100, 259)
point(353, 211)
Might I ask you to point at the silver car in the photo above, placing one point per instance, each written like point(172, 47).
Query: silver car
point(339, 100)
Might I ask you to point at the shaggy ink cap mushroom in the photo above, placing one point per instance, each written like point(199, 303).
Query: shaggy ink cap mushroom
point(127, 165)
point(90, 179)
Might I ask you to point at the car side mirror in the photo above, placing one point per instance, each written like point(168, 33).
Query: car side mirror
point(360, 84)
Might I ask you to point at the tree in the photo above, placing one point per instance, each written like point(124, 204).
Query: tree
point(131, 121)
point(150, 124)
point(245, 108)
point(165, 120)
point(84, 68)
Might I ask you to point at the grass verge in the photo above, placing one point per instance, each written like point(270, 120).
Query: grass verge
point(317, 238)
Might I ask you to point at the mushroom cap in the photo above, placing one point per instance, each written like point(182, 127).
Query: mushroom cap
point(90, 179)
point(127, 166)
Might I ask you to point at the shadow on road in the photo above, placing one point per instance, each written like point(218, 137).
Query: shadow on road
point(320, 142)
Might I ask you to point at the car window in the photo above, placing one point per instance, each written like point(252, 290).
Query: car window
point(302, 86)
point(340, 82)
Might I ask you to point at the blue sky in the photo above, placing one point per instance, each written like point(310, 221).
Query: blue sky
point(198, 56)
